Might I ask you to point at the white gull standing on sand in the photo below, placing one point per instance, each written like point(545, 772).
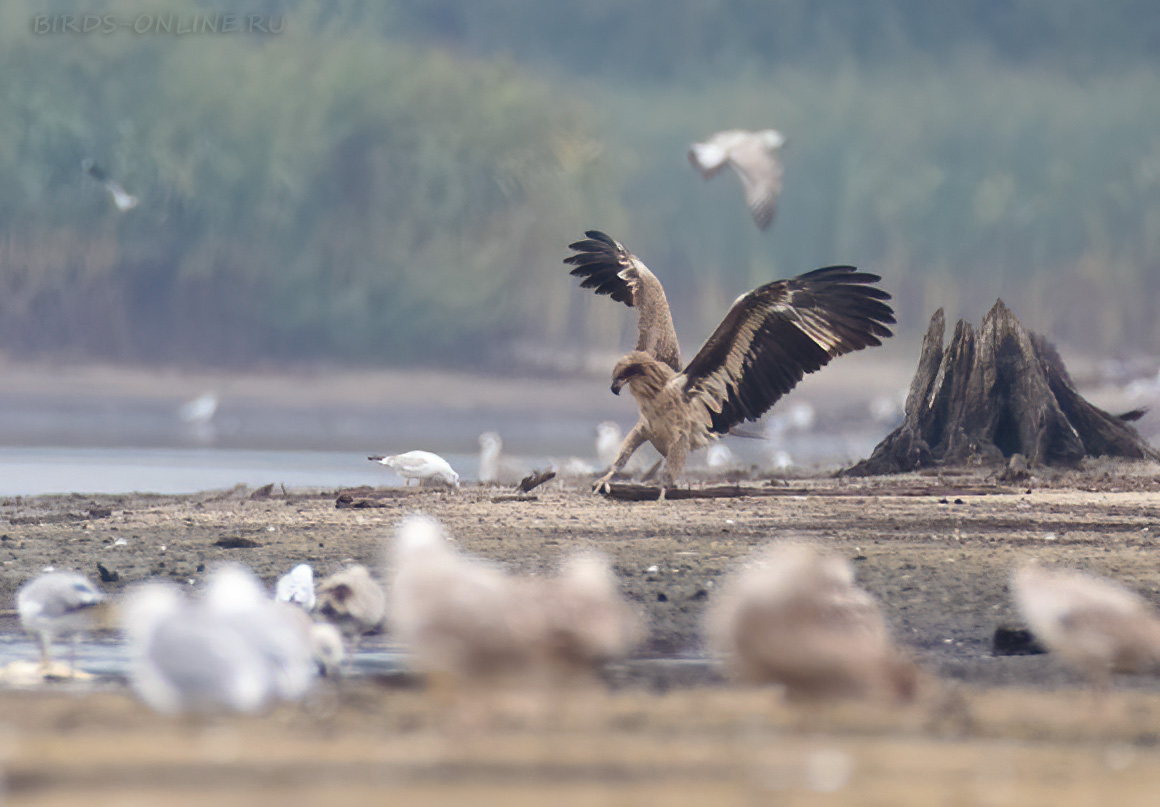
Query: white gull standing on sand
point(297, 587)
point(57, 605)
point(490, 447)
point(232, 650)
point(421, 465)
point(719, 456)
point(608, 440)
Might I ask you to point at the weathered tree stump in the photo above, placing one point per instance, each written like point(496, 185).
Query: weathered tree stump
point(992, 394)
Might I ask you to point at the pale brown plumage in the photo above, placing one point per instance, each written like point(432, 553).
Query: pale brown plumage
point(768, 341)
point(1096, 625)
point(754, 156)
point(352, 600)
point(468, 618)
point(794, 616)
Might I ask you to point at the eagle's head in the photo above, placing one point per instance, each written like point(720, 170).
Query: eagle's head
point(643, 370)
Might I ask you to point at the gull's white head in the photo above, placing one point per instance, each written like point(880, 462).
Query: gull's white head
point(772, 138)
point(418, 534)
point(302, 574)
point(233, 589)
point(297, 586)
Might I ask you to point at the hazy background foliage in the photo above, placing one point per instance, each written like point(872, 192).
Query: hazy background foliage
point(396, 182)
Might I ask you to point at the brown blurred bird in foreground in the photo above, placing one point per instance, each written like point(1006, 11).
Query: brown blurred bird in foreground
point(794, 616)
point(472, 621)
point(1097, 626)
point(352, 601)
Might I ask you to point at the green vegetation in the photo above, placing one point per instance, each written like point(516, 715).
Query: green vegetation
point(397, 182)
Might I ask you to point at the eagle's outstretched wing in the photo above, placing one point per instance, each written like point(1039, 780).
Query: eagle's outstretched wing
point(777, 333)
point(608, 268)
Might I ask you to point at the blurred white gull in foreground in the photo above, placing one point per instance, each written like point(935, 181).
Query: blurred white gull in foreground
point(297, 587)
point(183, 659)
point(1096, 625)
point(795, 617)
point(57, 605)
point(352, 601)
point(469, 619)
point(278, 631)
point(421, 465)
point(234, 650)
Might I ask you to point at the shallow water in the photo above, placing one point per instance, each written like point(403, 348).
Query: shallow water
point(107, 657)
point(44, 470)
point(36, 471)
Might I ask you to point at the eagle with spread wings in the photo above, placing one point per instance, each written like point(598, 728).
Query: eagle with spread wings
point(771, 337)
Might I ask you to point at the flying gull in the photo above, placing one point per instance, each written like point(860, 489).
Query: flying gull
point(754, 156)
point(124, 201)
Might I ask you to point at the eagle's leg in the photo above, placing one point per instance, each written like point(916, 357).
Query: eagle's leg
point(674, 464)
point(632, 442)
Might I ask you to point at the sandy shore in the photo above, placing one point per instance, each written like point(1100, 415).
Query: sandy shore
point(936, 550)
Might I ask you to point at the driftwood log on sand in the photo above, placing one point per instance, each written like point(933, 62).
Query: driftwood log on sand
point(992, 394)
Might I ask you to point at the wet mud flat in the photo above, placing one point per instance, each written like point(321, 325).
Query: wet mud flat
point(936, 550)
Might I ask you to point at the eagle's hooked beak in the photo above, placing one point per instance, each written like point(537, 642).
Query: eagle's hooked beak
point(617, 383)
